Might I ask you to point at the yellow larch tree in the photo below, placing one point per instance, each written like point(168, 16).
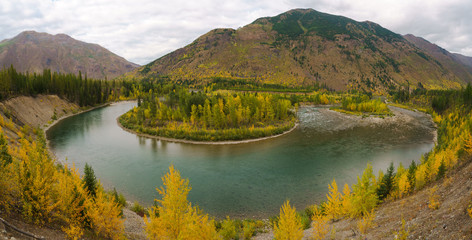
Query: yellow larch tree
point(333, 207)
point(104, 215)
point(346, 204)
point(70, 190)
point(319, 224)
point(289, 226)
point(174, 217)
point(36, 180)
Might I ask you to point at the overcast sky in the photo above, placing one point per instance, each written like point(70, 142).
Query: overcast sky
point(143, 30)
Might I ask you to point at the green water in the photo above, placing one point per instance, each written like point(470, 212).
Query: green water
point(243, 180)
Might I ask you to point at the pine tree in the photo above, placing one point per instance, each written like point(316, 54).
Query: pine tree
point(5, 157)
point(412, 175)
point(386, 185)
point(90, 180)
point(441, 170)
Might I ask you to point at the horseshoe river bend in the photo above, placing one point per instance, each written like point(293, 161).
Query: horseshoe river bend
point(247, 180)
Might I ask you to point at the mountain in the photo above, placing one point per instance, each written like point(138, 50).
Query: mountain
point(460, 65)
point(304, 47)
point(32, 51)
point(464, 59)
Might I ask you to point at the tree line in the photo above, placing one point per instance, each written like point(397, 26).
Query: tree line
point(75, 88)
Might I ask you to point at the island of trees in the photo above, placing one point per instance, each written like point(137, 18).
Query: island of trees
point(211, 115)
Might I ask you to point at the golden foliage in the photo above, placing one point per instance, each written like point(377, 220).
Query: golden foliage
point(433, 198)
point(366, 222)
point(36, 180)
point(174, 217)
point(228, 229)
point(346, 204)
point(319, 223)
point(403, 233)
point(104, 215)
point(289, 226)
point(333, 207)
point(364, 197)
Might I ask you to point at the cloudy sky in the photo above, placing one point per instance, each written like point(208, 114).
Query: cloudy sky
point(143, 30)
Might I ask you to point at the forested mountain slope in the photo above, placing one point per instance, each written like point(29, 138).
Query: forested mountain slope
point(304, 47)
point(33, 52)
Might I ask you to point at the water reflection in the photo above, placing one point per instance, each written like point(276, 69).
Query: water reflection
point(243, 180)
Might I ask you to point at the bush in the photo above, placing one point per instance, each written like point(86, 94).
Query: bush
point(228, 229)
point(138, 209)
point(248, 229)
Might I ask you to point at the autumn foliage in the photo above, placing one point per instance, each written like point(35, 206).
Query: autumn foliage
point(289, 226)
point(43, 192)
point(174, 217)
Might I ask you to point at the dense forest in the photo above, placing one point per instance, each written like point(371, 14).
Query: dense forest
point(211, 115)
point(75, 88)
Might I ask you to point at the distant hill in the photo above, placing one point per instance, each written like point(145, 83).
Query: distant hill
point(460, 65)
point(304, 47)
point(32, 51)
point(464, 59)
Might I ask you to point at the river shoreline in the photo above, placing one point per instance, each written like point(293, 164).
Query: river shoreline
point(176, 140)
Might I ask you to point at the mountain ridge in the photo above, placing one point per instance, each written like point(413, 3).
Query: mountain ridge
point(35, 51)
point(304, 47)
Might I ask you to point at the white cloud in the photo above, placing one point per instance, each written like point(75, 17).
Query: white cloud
point(143, 30)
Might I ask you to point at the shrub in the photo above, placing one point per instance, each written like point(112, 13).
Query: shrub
point(248, 229)
point(228, 229)
point(138, 209)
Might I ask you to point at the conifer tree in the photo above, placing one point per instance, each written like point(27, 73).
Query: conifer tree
point(333, 205)
point(364, 196)
point(5, 157)
point(174, 217)
point(90, 180)
point(386, 185)
point(289, 226)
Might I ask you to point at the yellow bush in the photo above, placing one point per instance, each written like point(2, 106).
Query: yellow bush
point(104, 215)
point(320, 224)
point(433, 198)
point(403, 233)
point(366, 222)
point(289, 226)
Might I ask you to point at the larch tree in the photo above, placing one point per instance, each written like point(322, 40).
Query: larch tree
point(174, 217)
point(333, 208)
point(289, 226)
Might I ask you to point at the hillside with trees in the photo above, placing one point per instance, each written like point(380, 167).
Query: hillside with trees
point(33, 52)
point(305, 48)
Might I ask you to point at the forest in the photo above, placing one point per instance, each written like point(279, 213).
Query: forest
point(211, 115)
point(43, 192)
point(75, 88)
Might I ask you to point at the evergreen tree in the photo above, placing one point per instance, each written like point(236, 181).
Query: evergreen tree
point(441, 170)
point(385, 187)
point(5, 157)
point(412, 175)
point(90, 180)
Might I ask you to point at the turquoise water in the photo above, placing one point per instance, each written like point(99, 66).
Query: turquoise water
point(242, 180)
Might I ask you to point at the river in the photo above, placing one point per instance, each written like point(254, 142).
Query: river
point(249, 180)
